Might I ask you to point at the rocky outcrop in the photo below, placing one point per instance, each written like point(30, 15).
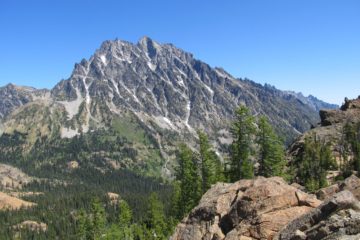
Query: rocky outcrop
point(113, 198)
point(331, 129)
point(271, 209)
point(337, 218)
point(12, 203)
point(12, 177)
point(72, 165)
point(349, 111)
point(32, 226)
point(247, 209)
point(351, 184)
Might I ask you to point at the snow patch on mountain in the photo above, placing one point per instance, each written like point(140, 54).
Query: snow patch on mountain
point(103, 59)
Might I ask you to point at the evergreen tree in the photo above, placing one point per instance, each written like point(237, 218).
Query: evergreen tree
point(114, 232)
point(81, 227)
point(125, 218)
point(210, 165)
point(271, 152)
point(98, 219)
point(313, 163)
point(156, 218)
point(125, 215)
point(352, 144)
point(176, 209)
point(188, 176)
point(243, 130)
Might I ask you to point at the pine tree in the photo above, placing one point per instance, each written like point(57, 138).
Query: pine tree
point(271, 152)
point(210, 165)
point(125, 218)
point(352, 142)
point(81, 225)
point(98, 218)
point(313, 163)
point(243, 130)
point(114, 232)
point(188, 176)
point(156, 218)
point(125, 215)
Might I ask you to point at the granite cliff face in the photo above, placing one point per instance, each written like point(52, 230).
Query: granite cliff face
point(271, 209)
point(247, 209)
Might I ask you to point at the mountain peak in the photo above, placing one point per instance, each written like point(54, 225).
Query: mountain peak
point(150, 46)
point(144, 39)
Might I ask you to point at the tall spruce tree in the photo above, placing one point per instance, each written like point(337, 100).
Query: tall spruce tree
point(125, 215)
point(156, 219)
point(243, 130)
point(81, 227)
point(98, 218)
point(352, 139)
point(271, 151)
point(187, 174)
point(125, 218)
point(210, 165)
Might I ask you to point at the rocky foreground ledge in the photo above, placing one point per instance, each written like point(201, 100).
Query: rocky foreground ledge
point(269, 208)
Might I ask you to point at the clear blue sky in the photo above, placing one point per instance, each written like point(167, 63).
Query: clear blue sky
point(312, 46)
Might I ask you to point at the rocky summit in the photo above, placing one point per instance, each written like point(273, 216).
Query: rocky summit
point(271, 209)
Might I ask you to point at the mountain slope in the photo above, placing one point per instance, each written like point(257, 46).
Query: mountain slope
point(167, 86)
point(148, 93)
point(12, 97)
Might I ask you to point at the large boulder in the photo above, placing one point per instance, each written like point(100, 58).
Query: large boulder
point(337, 218)
point(351, 184)
point(247, 209)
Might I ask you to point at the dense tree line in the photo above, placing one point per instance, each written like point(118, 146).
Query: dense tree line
point(197, 171)
point(254, 142)
point(93, 224)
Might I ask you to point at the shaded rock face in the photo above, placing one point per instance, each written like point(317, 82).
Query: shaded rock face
point(247, 209)
point(336, 218)
point(349, 111)
point(12, 97)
